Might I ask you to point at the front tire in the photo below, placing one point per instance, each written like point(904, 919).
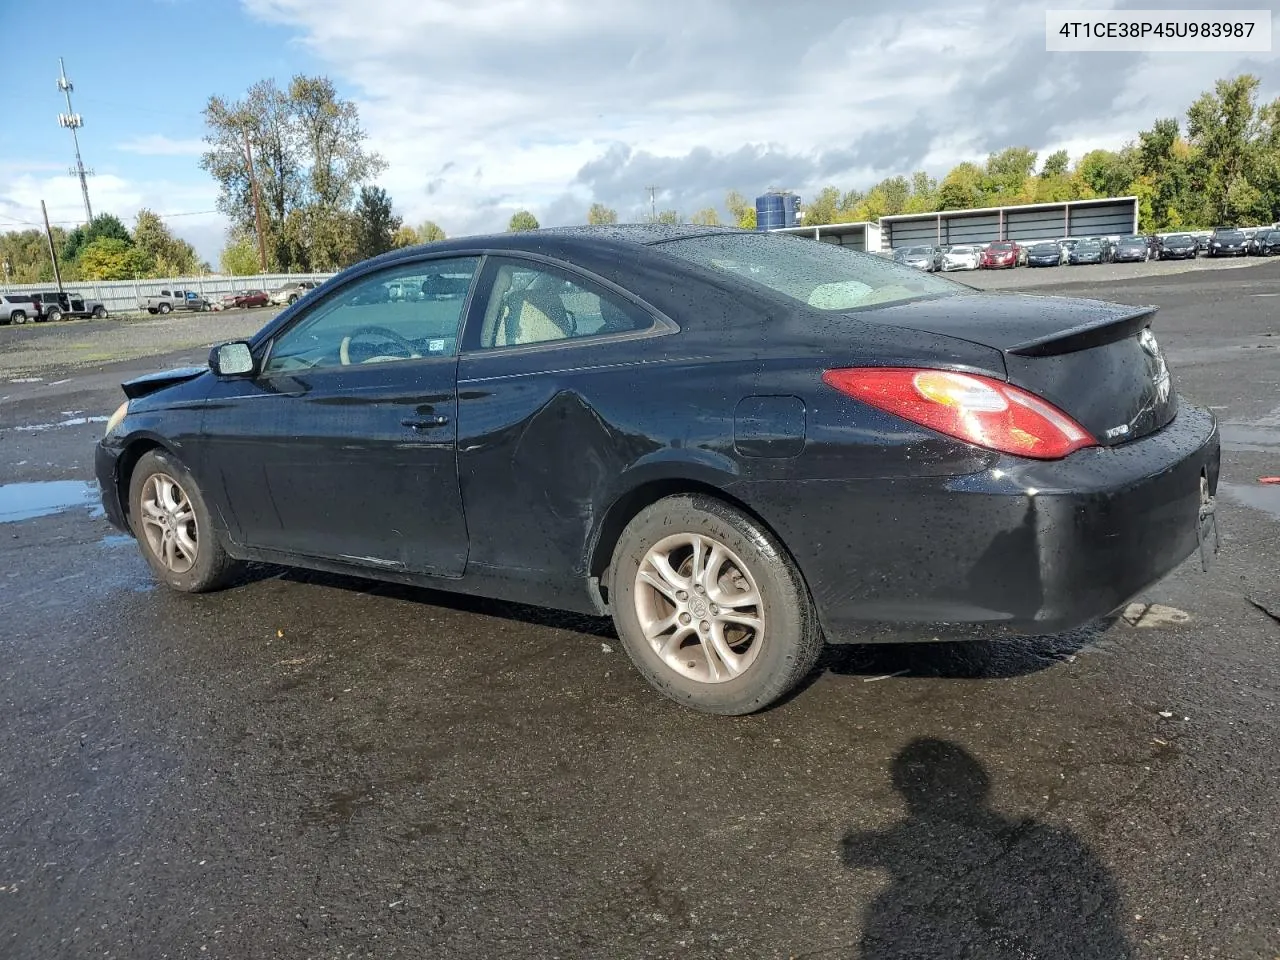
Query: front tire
point(99, 313)
point(172, 524)
point(710, 608)
point(54, 316)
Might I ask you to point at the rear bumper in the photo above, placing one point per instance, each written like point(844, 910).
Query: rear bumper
point(1023, 548)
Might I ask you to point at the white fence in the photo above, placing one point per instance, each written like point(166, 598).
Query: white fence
point(122, 296)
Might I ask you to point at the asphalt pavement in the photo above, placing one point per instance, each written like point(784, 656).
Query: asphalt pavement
point(317, 766)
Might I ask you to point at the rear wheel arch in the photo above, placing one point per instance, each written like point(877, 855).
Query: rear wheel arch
point(628, 505)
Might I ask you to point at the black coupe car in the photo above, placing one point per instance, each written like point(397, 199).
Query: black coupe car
point(1178, 246)
point(1268, 243)
point(739, 445)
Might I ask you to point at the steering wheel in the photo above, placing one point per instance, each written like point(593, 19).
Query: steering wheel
point(390, 336)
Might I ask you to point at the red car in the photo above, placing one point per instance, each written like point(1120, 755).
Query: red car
point(245, 298)
point(1002, 254)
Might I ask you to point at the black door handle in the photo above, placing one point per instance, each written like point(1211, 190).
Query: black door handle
point(424, 423)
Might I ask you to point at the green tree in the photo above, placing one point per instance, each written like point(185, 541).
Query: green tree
point(376, 222)
point(309, 154)
point(240, 256)
point(1007, 171)
point(668, 217)
point(824, 208)
point(405, 237)
point(924, 193)
point(1055, 164)
point(1108, 173)
point(27, 254)
point(599, 214)
point(110, 258)
point(961, 188)
point(1236, 142)
point(430, 232)
point(171, 256)
point(706, 217)
point(522, 220)
point(103, 226)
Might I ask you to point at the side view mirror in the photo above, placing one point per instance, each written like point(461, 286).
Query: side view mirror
point(231, 359)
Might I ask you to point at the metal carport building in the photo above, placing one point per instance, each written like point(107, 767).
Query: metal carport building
point(862, 235)
point(1102, 216)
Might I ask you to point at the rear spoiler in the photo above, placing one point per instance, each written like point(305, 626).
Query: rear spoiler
point(1095, 333)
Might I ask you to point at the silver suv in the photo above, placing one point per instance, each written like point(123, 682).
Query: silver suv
point(18, 308)
point(292, 291)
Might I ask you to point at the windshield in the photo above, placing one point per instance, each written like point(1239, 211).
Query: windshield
point(1045, 248)
point(1001, 247)
point(1089, 243)
point(961, 250)
point(918, 252)
point(1133, 242)
point(1181, 239)
point(821, 275)
point(1231, 236)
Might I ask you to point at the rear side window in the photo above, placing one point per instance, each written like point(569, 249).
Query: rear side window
point(531, 304)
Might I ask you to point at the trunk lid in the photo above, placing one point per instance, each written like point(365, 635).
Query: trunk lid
point(1096, 361)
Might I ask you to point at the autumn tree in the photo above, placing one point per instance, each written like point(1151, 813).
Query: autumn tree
point(404, 237)
point(599, 214)
point(110, 258)
point(706, 217)
point(430, 232)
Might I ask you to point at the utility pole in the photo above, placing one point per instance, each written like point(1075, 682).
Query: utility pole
point(73, 122)
point(653, 207)
point(257, 203)
point(53, 254)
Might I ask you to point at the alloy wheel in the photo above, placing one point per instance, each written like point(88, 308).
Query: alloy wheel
point(700, 608)
point(169, 523)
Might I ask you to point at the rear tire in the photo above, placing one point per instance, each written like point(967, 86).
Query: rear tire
point(742, 635)
point(54, 316)
point(18, 316)
point(99, 312)
point(172, 524)
point(164, 308)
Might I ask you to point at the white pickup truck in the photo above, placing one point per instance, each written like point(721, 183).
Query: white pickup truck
point(169, 300)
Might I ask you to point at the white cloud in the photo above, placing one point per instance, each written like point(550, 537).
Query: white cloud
point(158, 145)
point(188, 207)
point(482, 108)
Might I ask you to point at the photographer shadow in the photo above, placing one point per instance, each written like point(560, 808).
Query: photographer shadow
point(968, 883)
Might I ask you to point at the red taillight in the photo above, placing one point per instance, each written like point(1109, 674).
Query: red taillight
point(979, 410)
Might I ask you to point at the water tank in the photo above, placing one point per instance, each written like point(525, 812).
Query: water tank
point(775, 209)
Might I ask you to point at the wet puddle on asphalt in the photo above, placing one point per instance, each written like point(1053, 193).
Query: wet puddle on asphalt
point(43, 498)
point(1264, 498)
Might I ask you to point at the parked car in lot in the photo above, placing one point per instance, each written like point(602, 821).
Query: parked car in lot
point(1130, 250)
point(505, 443)
point(1046, 254)
point(1004, 253)
point(1228, 242)
point(67, 306)
point(18, 308)
point(923, 257)
point(1177, 246)
point(169, 300)
point(961, 257)
point(1089, 250)
point(291, 292)
point(245, 299)
point(1268, 243)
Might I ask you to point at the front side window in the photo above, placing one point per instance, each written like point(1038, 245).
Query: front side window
point(393, 314)
point(533, 303)
point(822, 275)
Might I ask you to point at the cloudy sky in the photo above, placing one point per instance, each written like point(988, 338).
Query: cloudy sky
point(482, 107)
